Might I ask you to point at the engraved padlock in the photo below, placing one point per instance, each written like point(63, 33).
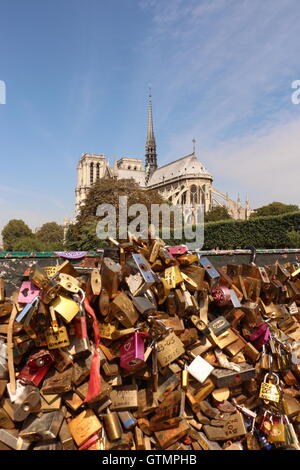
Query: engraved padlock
point(269, 391)
point(132, 351)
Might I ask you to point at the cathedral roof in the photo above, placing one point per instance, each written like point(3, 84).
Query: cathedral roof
point(185, 166)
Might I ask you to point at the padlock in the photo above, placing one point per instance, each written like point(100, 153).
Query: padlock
point(229, 378)
point(127, 419)
point(58, 339)
point(145, 270)
point(124, 397)
point(189, 282)
point(154, 251)
point(65, 437)
point(45, 427)
point(59, 383)
point(143, 305)
point(36, 368)
point(221, 295)
point(269, 391)
point(104, 302)
point(209, 268)
point(277, 432)
point(266, 423)
point(132, 351)
point(112, 425)
point(65, 307)
point(170, 277)
point(196, 273)
point(200, 325)
point(123, 310)
point(12, 439)
point(265, 359)
point(80, 344)
point(166, 256)
point(177, 250)
point(169, 349)
point(219, 325)
point(69, 283)
point(28, 292)
point(25, 316)
point(110, 275)
point(260, 336)
point(20, 405)
point(200, 369)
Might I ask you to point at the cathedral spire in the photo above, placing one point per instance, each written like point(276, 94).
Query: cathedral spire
point(151, 156)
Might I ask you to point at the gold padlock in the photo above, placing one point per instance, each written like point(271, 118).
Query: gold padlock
point(269, 391)
point(69, 283)
point(50, 270)
point(57, 339)
point(66, 307)
point(277, 433)
point(122, 308)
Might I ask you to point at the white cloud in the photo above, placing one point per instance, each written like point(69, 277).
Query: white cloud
point(221, 72)
point(262, 166)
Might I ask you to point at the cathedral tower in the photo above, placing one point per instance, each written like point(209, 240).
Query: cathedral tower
point(151, 156)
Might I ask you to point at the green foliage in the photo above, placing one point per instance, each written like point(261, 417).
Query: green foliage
point(17, 236)
point(14, 231)
point(262, 232)
point(294, 238)
point(217, 213)
point(51, 232)
point(82, 235)
point(28, 244)
point(275, 208)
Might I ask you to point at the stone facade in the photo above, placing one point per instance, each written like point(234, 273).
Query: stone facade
point(183, 181)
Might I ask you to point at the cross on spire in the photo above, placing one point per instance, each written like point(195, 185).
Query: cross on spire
point(194, 145)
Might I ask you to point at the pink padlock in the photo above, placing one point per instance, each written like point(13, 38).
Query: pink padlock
point(132, 351)
point(28, 292)
point(177, 250)
point(260, 336)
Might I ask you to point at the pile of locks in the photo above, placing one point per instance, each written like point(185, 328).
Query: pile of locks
point(155, 349)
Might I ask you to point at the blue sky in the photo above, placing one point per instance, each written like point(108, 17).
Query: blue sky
point(77, 76)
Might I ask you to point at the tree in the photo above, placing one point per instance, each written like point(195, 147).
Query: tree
point(294, 238)
point(51, 232)
point(274, 208)
point(14, 231)
point(28, 244)
point(82, 235)
point(217, 213)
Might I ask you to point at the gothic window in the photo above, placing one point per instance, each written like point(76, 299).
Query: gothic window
point(98, 171)
point(183, 198)
point(91, 173)
point(194, 195)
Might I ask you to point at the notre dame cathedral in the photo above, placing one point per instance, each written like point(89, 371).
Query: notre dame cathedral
point(182, 181)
